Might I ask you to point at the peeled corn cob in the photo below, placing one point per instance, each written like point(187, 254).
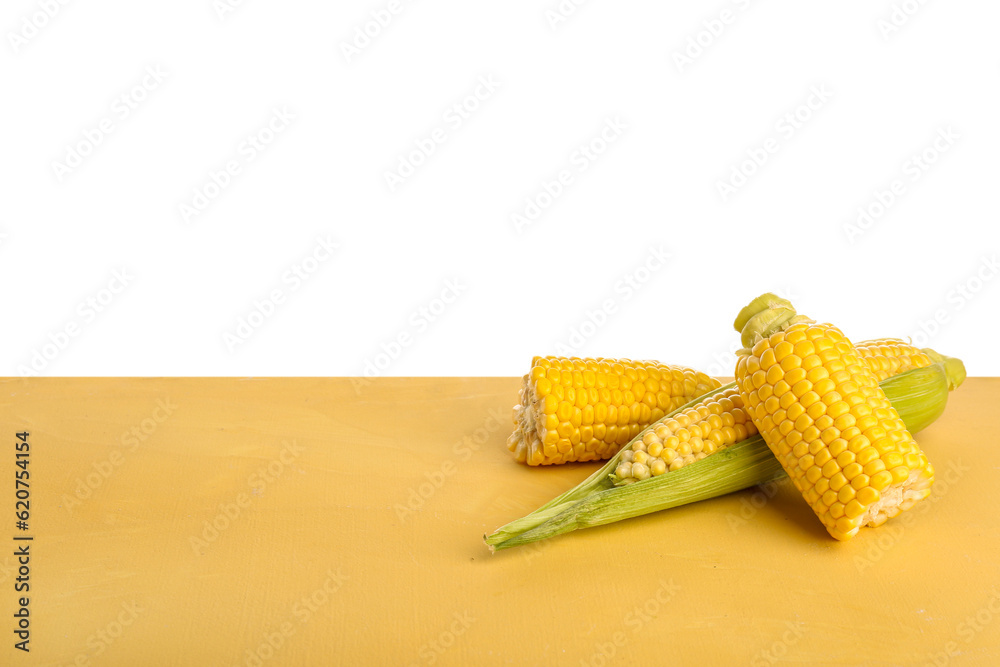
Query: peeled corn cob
point(827, 421)
point(721, 420)
point(575, 409)
point(920, 395)
point(712, 423)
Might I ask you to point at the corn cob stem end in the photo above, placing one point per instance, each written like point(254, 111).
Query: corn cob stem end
point(954, 369)
point(764, 316)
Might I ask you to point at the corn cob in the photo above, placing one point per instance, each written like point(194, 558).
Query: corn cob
point(721, 420)
point(920, 394)
point(575, 409)
point(827, 421)
point(887, 357)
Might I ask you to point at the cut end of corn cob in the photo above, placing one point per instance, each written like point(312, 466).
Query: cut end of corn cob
point(819, 408)
point(574, 409)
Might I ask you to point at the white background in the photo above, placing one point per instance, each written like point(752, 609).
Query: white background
point(893, 81)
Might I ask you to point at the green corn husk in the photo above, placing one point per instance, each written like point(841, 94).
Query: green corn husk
point(919, 395)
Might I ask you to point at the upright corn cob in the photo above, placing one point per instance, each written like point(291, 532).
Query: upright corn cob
point(585, 409)
point(721, 420)
point(823, 415)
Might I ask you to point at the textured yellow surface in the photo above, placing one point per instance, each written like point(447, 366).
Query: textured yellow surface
point(348, 525)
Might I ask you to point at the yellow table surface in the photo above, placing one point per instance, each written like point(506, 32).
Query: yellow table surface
point(311, 522)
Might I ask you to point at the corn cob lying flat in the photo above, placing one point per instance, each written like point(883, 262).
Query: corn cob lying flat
point(721, 420)
point(575, 409)
point(821, 411)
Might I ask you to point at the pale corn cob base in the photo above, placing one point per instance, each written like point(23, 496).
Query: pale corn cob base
point(899, 498)
point(526, 442)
